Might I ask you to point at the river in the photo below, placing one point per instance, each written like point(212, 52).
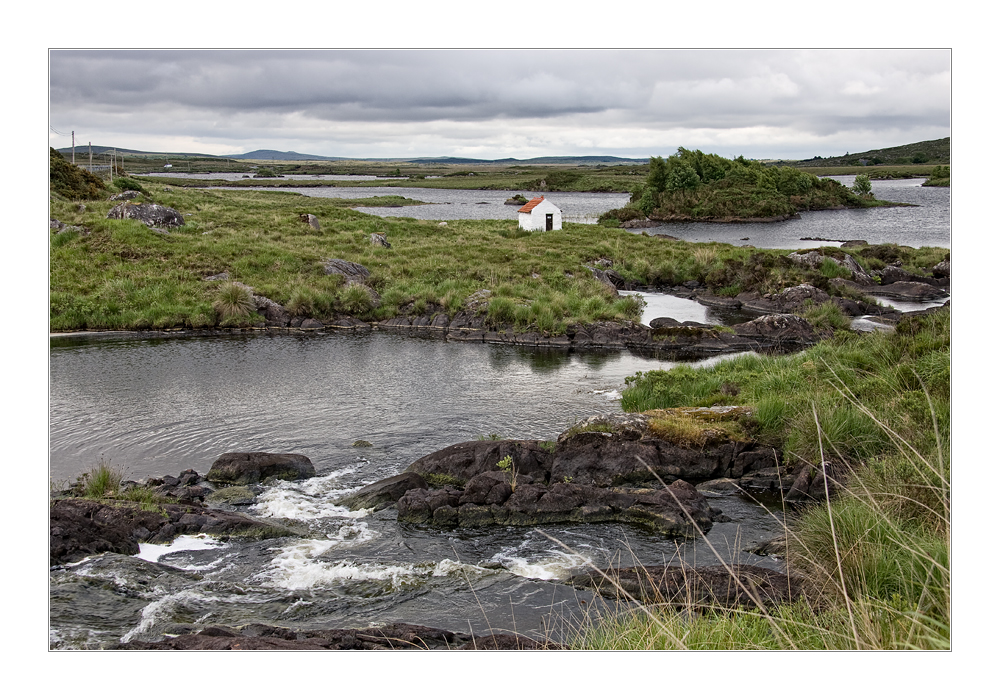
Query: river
point(157, 407)
point(160, 406)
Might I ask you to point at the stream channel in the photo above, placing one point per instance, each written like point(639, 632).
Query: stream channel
point(157, 407)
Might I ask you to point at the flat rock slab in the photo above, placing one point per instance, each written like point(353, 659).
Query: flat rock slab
point(672, 511)
point(242, 468)
point(711, 586)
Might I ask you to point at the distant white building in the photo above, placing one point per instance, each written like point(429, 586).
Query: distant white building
point(539, 215)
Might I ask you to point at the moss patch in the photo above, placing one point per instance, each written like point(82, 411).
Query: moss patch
point(698, 427)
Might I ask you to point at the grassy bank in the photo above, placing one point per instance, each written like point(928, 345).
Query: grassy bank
point(121, 275)
point(878, 558)
point(582, 179)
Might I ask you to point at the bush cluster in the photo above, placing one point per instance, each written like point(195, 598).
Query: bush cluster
point(71, 182)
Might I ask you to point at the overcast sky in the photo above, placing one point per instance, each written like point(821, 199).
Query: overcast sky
point(497, 104)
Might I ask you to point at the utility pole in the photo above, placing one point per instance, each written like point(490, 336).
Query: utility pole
point(73, 151)
point(90, 158)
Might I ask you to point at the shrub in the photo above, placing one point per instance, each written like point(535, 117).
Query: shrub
point(67, 180)
point(128, 183)
point(862, 186)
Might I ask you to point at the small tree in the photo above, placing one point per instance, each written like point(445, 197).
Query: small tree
point(862, 186)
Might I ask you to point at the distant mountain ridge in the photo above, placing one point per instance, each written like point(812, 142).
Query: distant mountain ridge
point(267, 154)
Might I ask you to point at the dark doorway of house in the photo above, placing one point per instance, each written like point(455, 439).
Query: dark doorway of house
point(548, 222)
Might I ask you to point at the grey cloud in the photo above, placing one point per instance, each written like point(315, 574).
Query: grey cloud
point(312, 96)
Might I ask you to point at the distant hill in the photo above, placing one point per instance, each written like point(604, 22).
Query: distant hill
point(99, 150)
point(280, 155)
point(543, 160)
point(938, 151)
point(267, 154)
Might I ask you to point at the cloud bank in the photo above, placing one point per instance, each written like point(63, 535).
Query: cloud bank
point(502, 103)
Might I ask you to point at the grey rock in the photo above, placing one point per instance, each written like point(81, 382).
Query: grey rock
point(124, 196)
point(351, 271)
point(149, 214)
point(310, 219)
point(380, 239)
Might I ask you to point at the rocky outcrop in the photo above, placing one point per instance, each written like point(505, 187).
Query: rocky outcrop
point(241, 468)
point(814, 259)
point(780, 329)
point(80, 527)
point(379, 239)
point(609, 450)
point(607, 468)
point(393, 636)
point(351, 271)
point(149, 214)
point(672, 511)
point(742, 586)
point(382, 493)
point(904, 291)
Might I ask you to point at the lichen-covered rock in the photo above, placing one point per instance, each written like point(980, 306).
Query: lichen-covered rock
point(125, 196)
point(241, 468)
point(311, 220)
point(786, 329)
point(149, 214)
point(351, 271)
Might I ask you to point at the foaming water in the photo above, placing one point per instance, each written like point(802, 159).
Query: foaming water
point(184, 543)
point(311, 499)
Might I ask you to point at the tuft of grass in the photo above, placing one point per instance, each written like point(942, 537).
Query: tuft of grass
point(234, 301)
point(104, 480)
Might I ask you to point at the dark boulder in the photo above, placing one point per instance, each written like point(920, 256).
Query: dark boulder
point(241, 468)
point(487, 489)
point(465, 460)
point(419, 505)
point(382, 493)
point(149, 214)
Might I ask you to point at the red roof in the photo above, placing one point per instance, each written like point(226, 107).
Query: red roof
point(530, 205)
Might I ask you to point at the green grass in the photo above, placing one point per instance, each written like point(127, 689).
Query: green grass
point(124, 276)
point(104, 482)
point(888, 371)
point(877, 557)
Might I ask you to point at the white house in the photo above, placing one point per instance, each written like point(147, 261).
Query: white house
point(539, 215)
